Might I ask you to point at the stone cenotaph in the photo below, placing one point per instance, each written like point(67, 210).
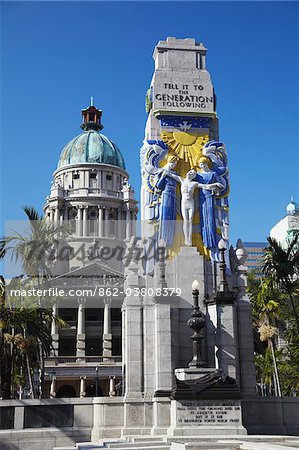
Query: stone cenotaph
point(192, 387)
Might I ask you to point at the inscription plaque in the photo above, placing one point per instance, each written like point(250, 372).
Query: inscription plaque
point(191, 412)
point(177, 96)
point(195, 417)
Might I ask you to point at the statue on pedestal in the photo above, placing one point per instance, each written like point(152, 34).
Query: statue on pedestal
point(164, 203)
point(188, 187)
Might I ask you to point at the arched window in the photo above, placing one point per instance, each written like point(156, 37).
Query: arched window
point(66, 391)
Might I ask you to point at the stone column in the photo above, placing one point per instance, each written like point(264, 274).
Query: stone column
point(128, 224)
point(61, 217)
point(111, 386)
point(211, 329)
point(162, 345)
point(56, 215)
point(226, 332)
point(54, 333)
point(100, 222)
point(162, 350)
point(226, 337)
point(104, 225)
point(87, 185)
point(244, 321)
point(133, 338)
point(133, 350)
point(119, 224)
point(114, 181)
point(82, 387)
point(245, 334)
point(80, 221)
point(107, 336)
point(85, 223)
point(53, 388)
point(133, 224)
point(81, 329)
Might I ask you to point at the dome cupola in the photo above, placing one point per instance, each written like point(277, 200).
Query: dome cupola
point(91, 147)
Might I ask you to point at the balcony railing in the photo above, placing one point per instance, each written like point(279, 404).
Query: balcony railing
point(91, 360)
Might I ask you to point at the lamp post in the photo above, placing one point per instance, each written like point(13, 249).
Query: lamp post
point(223, 286)
point(196, 323)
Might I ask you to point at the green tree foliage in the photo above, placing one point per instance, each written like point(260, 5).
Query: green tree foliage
point(275, 307)
point(24, 324)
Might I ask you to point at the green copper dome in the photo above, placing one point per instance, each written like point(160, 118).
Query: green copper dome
point(91, 147)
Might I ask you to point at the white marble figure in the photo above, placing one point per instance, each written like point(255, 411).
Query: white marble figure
point(188, 187)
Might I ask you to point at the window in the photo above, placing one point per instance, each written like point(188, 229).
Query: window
point(68, 315)
point(76, 176)
point(67, 346)
point(116, 314)
point(116, 345)
point(109, 177)
point(93, 346)
point(93, 176)
point(94, 314)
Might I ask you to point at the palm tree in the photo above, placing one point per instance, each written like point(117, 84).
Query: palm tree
point(34, 250)
point(23, 331)
point(282, 265)
point(266, 311)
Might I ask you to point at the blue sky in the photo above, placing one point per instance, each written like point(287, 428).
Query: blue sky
point(55, 55)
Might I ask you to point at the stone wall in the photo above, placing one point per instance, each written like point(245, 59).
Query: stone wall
point(95, 418)
point(270, 415)
point(24, 424)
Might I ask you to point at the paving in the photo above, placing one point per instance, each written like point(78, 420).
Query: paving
point(207, 442)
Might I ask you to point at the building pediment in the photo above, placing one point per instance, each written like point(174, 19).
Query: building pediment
point(94, 273)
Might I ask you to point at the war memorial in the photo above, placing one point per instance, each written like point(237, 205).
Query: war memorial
point(175, 355)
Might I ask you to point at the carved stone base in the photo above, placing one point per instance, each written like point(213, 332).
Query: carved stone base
point(203, 383)
point(198, 417)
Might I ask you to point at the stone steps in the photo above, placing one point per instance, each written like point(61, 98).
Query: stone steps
point(136, 445)
point(192, 443)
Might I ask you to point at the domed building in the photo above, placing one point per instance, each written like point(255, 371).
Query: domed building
point(90, 184)
point(90, 194)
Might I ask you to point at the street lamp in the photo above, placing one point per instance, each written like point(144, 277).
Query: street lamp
point(196, 323)
point(223, 286)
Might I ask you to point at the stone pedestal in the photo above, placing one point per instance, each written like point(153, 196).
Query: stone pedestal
point(198, 417)
point(192, 373)
point(204, 401)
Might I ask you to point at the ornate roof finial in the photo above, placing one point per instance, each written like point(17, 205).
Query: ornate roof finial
point(91, 117)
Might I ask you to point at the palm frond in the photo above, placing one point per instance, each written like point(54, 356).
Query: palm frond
point(31, 213)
